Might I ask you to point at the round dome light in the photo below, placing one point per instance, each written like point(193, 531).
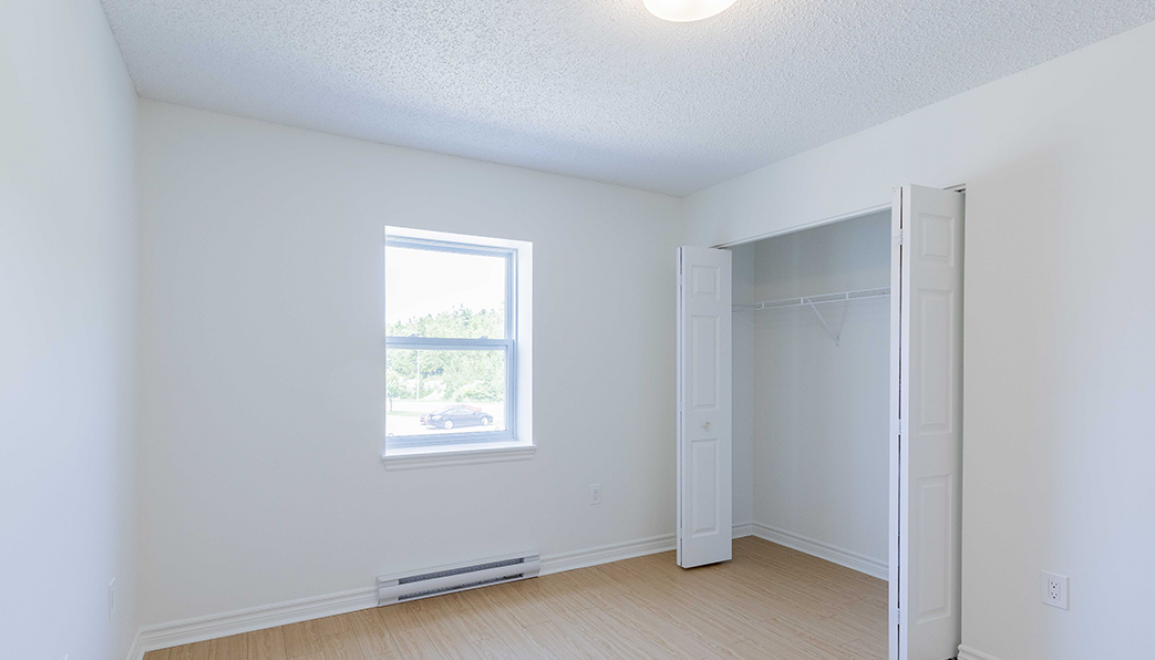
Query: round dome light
point(683, 11)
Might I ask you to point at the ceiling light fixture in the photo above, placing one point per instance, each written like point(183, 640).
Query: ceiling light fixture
point(684, 11)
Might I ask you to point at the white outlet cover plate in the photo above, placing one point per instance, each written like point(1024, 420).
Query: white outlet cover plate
point(1062, 601)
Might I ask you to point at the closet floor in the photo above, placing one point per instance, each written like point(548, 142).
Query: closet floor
point(770, 602)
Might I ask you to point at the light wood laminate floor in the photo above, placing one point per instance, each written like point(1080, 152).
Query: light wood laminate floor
point(770, 603)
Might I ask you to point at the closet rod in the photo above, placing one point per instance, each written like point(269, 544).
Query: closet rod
point(813, 301)
point(841, 296)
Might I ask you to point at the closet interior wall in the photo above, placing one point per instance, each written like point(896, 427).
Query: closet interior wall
point(810, 417)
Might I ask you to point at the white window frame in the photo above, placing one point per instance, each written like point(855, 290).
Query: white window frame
point(514, 442)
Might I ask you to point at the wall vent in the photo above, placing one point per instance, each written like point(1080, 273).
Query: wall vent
point(459, 577)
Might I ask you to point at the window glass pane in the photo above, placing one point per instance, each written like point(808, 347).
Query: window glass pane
point(432, 392)
point(432, 293)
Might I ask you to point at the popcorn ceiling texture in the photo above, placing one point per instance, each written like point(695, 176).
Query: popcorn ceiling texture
point(594, 88)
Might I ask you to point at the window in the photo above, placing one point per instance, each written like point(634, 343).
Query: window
point(451, 340)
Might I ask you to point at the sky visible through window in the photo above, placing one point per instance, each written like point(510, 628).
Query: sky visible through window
point(421, 283)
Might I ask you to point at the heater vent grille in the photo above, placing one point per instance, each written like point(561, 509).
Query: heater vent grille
point(448, 579)
point(471, 585)
point(461, 571)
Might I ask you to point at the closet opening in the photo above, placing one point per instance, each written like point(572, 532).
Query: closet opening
point(819, 411)
point(811, 393)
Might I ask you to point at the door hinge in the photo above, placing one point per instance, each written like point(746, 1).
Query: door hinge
point(898, 237)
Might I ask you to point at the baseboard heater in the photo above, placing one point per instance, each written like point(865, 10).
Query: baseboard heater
point(459, 577)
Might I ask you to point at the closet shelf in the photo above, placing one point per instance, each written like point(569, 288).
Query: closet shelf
point(813, 301)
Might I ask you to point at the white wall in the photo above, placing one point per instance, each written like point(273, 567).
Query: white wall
point(1059, 320)
point(262, 364)
point(817, 413)
point(67, 315)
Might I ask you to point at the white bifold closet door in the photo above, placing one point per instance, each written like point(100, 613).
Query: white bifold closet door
point(704, 392)
point(926, 427)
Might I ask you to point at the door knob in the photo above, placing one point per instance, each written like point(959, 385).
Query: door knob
point(706, 425)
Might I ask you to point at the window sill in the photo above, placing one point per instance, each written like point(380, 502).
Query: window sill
point(413, 458)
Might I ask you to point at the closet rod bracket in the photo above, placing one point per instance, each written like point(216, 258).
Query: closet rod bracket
point(825, 326)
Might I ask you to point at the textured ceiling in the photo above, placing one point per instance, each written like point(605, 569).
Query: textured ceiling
point(594, 88)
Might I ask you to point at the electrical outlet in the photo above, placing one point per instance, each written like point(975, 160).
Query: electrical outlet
point(111, 597)
point(595, 493)
point(1055, 588)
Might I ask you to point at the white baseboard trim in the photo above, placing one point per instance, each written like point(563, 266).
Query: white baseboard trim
point(177, 633)
point(136, 651)
point(840, 556)
point(743, 529)
point(568, 561)
point(967, 653)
